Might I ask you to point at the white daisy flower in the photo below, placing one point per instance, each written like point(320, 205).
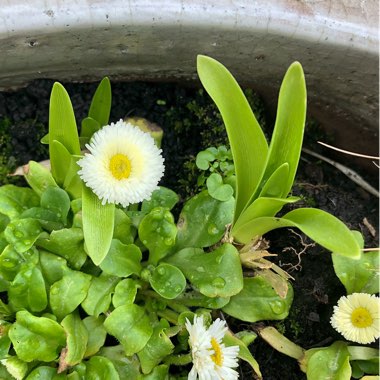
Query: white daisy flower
point(357, 317)
point(212, 360)
point(124, 165)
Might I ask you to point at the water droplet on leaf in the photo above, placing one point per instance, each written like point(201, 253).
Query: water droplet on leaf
point(219, 282)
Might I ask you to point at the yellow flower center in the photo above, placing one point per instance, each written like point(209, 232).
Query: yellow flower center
point(120, 166)
point(217, 356)
point(361, 317)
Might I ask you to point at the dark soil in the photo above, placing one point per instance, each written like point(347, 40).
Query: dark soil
point(188, 129)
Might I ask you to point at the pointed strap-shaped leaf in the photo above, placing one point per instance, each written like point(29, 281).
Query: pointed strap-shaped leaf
point(61, 158)
point(248, 145)
point(62, 128)
point(100, 107)
point(98, 223)
point(319, 225)
point(286, 142)
point(263, 206)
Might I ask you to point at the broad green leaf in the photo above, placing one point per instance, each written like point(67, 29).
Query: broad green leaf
point(364, 360)
point(99, 294)
point(131, 326)
point(258, 301)
point(286, 142)
point(10, 263)
point(158, 232)
point(162, 197)
point(204, 159)
point(248, 145)
point(22, 233)
point(196, 299)
point(5, 342)
point(67, 243)
point(244, 352)
point(14, 200)
point(4, 374)
point(158, 347)
point(36, 338)
point(48, 220)
point(53, 267)
point(56, 200)
point(122, 260)
point(98, 225)
point(127, 367)
point(77, 337)
point(62, 129)
point(159, 373)
point(46, 373)
point(68, 293)
point(203, 221)
point(217, 189)
point(329, 362)
point(322, 227)
point(96, 334)
point(16, 367)
point(123, 227)
point(101, 368)
point(100, 107)
point(214, 274)
point(27, 290)
point(262, 206)
point(125, 292)
point(168, 281)
point(38, 177)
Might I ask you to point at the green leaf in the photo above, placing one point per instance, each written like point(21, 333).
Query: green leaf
point(158, 347)
point(27, 290)
point(322, 227)
point(203, 221)
point(63, 130)
point(68, 293)
point(275, 185)
point(100, 107)
point(122, 260)
point(127, 367)
point(67, 243)
point(10, 263)
point(217, 189)
point(56, 200)
point(168, 281)
point(123, 227)
point(22, 233)
point(162, 197)
point(48, 220)
point(125, 292)
point(15, 200)
point(131, 326)
point(99, 294)
point(157, 231)
point(214, 274)
point(196, 299)
point(204, 159)
point(36, 338)
point(96, 334)
point(98, 225)
point(159, 373)
point(248, 145)
point(258, 301)
point(73, 183)
point(260, 207)
point(329, 362)
point(39, 177)
point(77, 337)
point(46, 373)
point(358, 275)
point(286, 142)
point(5, 342)
point(16, 367)
point(101, 368)
point(88, 127)
point(244, 353)
point(53, 267)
